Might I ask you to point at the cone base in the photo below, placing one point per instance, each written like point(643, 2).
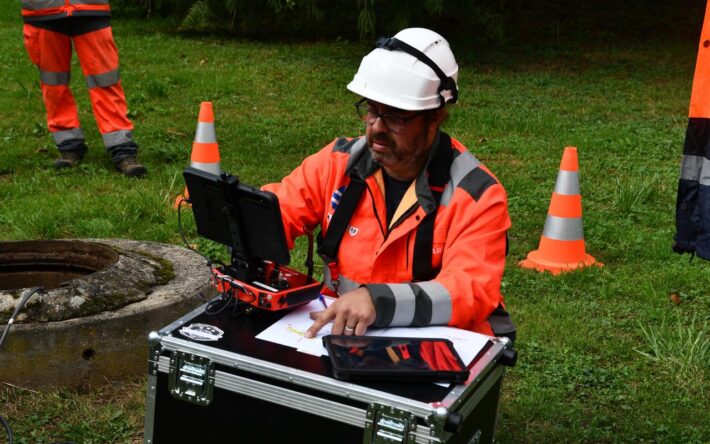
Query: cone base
point(535, 261)
point(181, 199)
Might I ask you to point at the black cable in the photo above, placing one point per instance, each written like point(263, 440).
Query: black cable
point(224, 298)
point(227, 298)
point(19, 307)
point(309, 256)
point(7, 429)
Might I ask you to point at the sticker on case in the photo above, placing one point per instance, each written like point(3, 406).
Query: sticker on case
point(202, 332)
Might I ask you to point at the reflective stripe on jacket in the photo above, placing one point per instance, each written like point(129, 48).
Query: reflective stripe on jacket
point(693, 201)
point(39, 10)
point(469, 235)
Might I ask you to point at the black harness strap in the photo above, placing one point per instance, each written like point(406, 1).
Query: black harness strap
point(439, 174)
point(329, 244)
point(446, 82)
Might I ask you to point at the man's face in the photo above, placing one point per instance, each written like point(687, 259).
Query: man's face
point(400, 141)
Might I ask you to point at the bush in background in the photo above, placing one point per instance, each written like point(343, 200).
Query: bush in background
point(493, 21)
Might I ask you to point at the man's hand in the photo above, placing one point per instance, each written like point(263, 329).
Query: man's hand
point(351, 314)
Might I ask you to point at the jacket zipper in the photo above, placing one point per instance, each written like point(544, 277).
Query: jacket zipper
point(377, 216)
point(405, 215)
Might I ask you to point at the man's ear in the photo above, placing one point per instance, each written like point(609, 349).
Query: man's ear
point(438, 116)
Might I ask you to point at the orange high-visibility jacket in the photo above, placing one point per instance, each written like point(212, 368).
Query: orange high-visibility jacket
point(469, 244)
point(37, 10)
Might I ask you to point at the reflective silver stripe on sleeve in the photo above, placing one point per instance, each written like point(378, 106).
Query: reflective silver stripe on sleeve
point(89, 2)
point(103, 80)
point(404, 305)
point(213, 168)
point(54, 78)
point(326, 272)
point(70, 134)
point(695, 168)
point(462, 165)
point(117, 138)
point(344, 285)
point(567, 183)
point(563, 228)
point(440, 302)
point(205, 133)
point(35, 5)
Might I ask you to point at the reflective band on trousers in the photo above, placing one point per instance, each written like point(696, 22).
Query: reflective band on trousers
point(117, 138)
point(103, 80)
point(89, 2)
point(440, 302)
point(567, 183)
point(65, 135)
point(563, 228)
point(695, 168)
point(54, 78)
point(34, 5)
point(205, 133)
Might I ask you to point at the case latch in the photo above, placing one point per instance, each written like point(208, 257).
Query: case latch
point(388, 425)
point(191, 378)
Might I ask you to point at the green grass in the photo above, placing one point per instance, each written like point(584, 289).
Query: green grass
point(605, 355)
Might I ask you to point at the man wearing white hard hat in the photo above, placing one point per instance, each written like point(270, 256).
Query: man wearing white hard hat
point(413, 226)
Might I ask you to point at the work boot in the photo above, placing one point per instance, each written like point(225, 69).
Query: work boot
point(67, 159)
point(130, 167)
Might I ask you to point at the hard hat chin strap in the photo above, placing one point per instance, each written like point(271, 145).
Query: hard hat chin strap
point(447, 83)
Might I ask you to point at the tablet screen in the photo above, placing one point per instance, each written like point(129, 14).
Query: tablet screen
point(382, 357)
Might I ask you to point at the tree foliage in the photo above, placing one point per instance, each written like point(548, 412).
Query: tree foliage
point(346, 19)
point(496, 21)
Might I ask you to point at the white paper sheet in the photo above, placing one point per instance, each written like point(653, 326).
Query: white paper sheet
point(289, 331)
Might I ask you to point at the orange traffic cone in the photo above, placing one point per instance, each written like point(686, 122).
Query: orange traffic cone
point(205, 150)
point(562, 242)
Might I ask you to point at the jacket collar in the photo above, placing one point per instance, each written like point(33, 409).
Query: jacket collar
point(362, 165)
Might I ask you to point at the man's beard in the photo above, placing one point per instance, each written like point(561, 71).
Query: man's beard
point(398, 159)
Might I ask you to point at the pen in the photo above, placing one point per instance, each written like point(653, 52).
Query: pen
point(322, 300)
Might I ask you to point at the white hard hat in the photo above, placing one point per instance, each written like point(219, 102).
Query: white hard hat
point(414, 70)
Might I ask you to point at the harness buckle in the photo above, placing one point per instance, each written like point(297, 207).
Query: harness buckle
point(332, 265)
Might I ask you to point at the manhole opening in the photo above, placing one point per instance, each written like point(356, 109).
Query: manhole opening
point(88, 354)
point(49, 264)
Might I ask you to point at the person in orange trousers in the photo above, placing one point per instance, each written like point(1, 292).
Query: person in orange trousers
point(51, 28)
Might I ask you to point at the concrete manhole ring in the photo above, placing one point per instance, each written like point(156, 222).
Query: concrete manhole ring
point(92, 322)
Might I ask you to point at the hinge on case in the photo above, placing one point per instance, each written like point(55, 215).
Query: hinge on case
point(154, 349)
point(191, 378)
point(388, 425)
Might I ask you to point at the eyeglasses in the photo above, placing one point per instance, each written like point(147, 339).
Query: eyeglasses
point(393, 122)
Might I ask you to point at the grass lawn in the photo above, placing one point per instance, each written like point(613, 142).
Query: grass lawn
point(606, 355)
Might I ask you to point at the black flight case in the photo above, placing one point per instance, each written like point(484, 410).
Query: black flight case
point(241, 389)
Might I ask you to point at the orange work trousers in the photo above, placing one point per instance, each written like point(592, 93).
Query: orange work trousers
point(51, 52)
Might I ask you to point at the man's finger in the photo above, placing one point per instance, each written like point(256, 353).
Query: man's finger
point(323, 318)
point(338, 324)
point(360, 329)
point(314, 314)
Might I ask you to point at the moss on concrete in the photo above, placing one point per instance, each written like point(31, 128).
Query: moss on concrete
point(165, 273)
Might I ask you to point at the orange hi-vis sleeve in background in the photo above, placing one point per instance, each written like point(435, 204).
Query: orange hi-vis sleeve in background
point(51, 52)
point(693, 198)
